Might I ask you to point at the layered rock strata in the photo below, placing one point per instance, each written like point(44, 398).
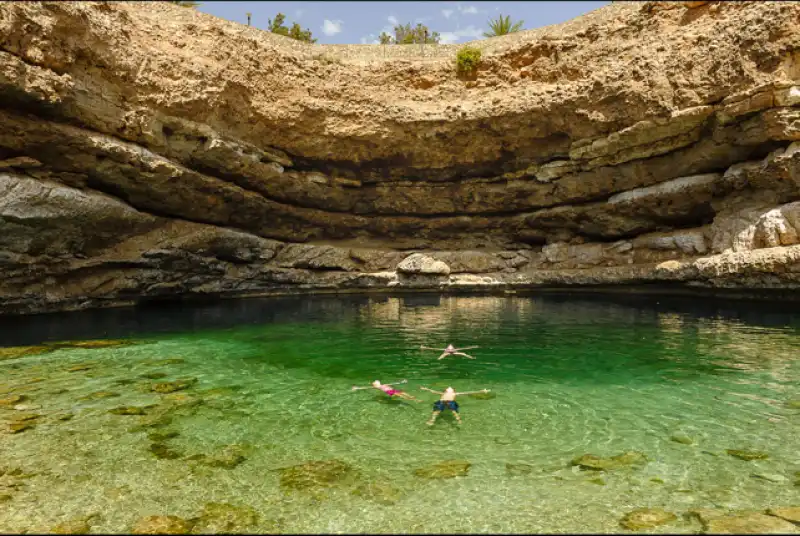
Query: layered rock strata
point(152, 151)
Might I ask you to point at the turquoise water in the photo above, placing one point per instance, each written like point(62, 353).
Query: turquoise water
point(268, 388)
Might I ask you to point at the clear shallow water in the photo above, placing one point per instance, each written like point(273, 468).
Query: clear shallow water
point(572, 376)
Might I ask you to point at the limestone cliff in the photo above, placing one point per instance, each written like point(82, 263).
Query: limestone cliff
point(152, 151)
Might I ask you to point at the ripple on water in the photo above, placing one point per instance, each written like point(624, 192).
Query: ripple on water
point(203, 425)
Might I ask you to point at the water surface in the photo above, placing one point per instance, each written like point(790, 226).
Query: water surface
point(268, 387)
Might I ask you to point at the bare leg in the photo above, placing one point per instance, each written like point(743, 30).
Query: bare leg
point(407, 397)
point(462, 353)
point(433, 418)
point(457, 416)
point(443, 355)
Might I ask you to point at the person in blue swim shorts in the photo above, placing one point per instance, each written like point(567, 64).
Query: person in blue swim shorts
point(447, 400)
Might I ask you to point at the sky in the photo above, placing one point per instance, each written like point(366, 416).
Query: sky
point(362, 22)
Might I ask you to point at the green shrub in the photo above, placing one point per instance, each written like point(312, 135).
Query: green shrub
point(467, 59)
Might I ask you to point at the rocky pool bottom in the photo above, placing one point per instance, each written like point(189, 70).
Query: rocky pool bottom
point(603, 417)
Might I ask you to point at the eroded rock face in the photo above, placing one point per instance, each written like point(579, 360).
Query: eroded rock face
point(152, 151)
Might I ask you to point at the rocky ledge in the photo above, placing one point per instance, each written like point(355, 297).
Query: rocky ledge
point(151, 151)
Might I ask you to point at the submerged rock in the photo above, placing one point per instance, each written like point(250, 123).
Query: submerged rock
point(219, 518)
point(646, 518)
point(747, 455)
point(10, 471)
point(80, 367)
point(745, 523)
point(19, 417)
point(162, 525)
point(160, 437)
point(683, 439)
point(129, 410)
point(14, 352)
point(770, 477)
point(793, 404)
point(790, 513)
point(163, 451)
point(27, 407)
point(11, 401)
point(124, 381)
point(168, 361)
point(228, 458)
point(99, 395)
point(154, 375)
point(111, 343)
point(517, 469)
point(157, 420)
point(171, 387)
point(78, 525)
point(16, 427)
point(315, 474)
point(445, 469)
point(596, 463)
point(380, 492)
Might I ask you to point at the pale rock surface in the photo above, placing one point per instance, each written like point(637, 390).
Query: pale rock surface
point(153, 151)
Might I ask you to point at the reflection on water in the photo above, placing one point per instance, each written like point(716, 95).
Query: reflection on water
point(239, 416)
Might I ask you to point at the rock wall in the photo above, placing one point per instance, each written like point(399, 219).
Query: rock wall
point(151, 151)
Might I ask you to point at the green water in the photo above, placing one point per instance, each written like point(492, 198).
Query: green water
point(570, 377)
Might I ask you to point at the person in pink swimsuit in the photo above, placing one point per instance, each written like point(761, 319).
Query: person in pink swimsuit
point(389, 389)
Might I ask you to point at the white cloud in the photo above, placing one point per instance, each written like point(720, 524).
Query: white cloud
point(331, 27)
point(471, 32)
point(372, 39)
point(447, 13)
point(469, 10)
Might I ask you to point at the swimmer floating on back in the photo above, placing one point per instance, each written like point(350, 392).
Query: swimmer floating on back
point(388, 389)
point(450, 350)
point(447, 400)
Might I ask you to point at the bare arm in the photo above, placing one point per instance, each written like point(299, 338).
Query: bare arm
point(467, 348)
point(429, 348)
point(396, 383)
point(473, 392)
point(354, 388)
point(431, 391)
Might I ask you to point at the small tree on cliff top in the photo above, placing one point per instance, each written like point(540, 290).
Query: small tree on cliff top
point(295, 32)
point(185, 3)
point(404, 34)
point(503, 26)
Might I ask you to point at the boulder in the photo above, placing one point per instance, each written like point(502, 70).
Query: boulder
point(419, 264)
